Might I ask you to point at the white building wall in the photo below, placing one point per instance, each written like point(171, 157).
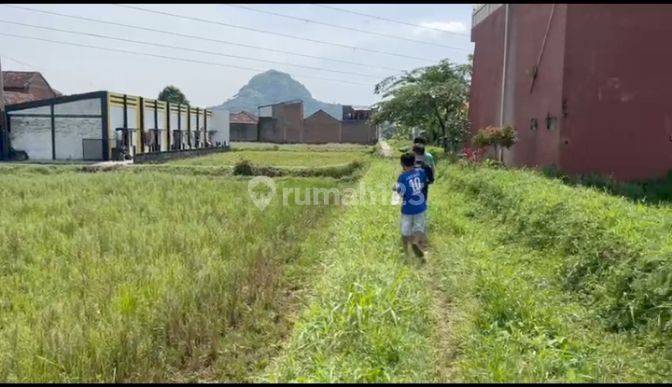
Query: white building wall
point(133, 116)
point(149, 118)
point(35, 110)
point(173, 127)
point(162, 125)
point(184, 123)
point(193, 128)
point(85, 106)
point(70, 133)
point(219, 121)
point(32, 135)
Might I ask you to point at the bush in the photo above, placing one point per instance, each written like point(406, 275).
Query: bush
point(244, 167)
point(497, 137)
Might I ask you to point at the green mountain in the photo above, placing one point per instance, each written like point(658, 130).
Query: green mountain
point(272, 87)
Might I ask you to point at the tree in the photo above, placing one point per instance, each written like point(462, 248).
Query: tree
point(433, 98)
point(173, 95)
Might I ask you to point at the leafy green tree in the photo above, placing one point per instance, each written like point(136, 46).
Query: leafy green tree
point(173, 95)
point(433, 98)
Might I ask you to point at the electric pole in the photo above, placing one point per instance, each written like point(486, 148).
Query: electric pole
point(4, 135)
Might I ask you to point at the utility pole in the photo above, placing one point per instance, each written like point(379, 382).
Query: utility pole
point(4, 151)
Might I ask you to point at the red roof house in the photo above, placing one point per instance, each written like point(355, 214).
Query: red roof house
point(26, 86)
point(243, 126)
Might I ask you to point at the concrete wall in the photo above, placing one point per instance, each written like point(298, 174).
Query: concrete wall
point(70, 133)
point(618, 90)
point(358, 132)
point(31, 129)
point(31, 135)
point(243, 132)
point(219, 121)
point(269, 131)
point(320, 127)
point(289, 121)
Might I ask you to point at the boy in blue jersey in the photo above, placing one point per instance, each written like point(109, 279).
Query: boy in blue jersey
point(410, 186)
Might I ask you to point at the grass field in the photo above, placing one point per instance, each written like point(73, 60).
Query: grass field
point(274, 158)
point(330, 147)
point(552, 283)
point(169, 273)
point(125, 276)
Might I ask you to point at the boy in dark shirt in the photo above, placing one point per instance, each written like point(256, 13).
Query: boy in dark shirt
point(410, 185)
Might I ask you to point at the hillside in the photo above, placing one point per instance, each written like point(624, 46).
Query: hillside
point(272, 87)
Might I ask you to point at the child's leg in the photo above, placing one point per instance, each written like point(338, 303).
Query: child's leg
point(407, 242)
point(406, 234)
point(420, 231)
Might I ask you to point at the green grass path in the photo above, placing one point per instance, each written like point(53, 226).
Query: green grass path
point(369, 318)
point(513, 318)
point(492, 303)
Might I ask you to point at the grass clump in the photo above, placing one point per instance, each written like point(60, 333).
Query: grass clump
point(350, 171)
point(329, 147)
point(278, 159)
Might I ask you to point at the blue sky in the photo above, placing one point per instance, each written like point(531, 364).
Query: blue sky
point(77, 70)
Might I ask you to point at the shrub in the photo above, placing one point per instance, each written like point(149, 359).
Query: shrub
point(244, 167)
point(474, 155)
point(497, 137)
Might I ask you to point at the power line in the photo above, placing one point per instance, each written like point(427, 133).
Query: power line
point(18, 61)
point(183, 48)
point(271, 32)
point(389, 20)
point(345, 27)
point(169, 57)
point(200, 37)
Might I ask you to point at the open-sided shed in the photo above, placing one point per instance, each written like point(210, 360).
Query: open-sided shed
point(106, 126)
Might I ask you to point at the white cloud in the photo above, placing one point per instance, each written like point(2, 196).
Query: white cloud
point(449, 26)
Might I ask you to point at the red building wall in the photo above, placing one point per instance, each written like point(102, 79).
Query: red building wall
point(321, 128)
point(484, 100)
point(604, 79)
point(289, 120)
point(525, 101)
point(357, 132)
point(618, 89)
